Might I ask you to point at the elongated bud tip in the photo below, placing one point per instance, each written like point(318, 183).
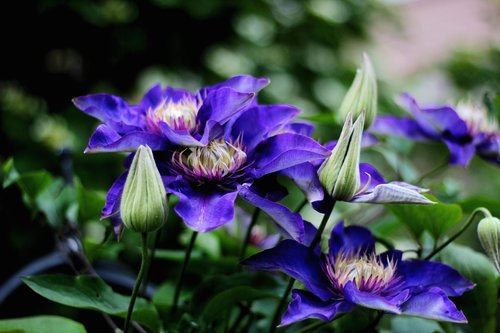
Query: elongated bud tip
point(362, 94)
point(488, 231)
point(144, 206)
point(339, 174)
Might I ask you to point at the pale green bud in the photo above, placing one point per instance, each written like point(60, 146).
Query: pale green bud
point(144, 206)
point(362, 95)
point(339, 174)
point(488, 231)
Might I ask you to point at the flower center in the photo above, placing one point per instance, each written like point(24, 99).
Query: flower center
point(366, 271)
point(179, 115)
point(476, 117)
point(217, 160)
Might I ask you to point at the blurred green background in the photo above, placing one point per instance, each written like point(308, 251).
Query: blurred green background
point(53, 50)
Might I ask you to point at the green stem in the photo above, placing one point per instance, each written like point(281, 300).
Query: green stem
point(469, 221)
point(138, 281)
point(248, 234)
point(183, 271)
point(152, 251)
point(281, 304)
point(301, 205)
point(316, 240)
point(432, 172)
point(317, 237)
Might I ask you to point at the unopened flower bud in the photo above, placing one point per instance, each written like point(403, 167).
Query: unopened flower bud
point(144, 206)
point(339, 174)
point(488, 231)
point(362, 95)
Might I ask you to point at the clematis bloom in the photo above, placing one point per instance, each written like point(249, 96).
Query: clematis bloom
point(466, 129)
point(167, 116)
point(351, 274)
point(238, 157)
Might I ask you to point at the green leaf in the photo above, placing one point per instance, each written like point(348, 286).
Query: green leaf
point(209, 244)
point(90, 292)
point(397, 159)
point(437, 218)
point(479, 304)
point(491, 203)
point(32, 184)
point(10, 174)
point(90, 202)
point(322, 118)
point(54, 201)
point(214, 285)
point(220, 303)
point(163, 296)
point(41, 324)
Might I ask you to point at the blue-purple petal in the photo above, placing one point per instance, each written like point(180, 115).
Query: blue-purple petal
point(350, 239)
point(305, 305)
point(460, 153)
point(305, 177)
point(152, 98)
point(297, 261)
point(113, 197)
point(370, 300)
point(419, 275)
point(489, 148)
point(433, 304)
point(241, 83)
point(269, 188)
point(103, 136)
point(101, 141)
point(370, 177)
point(300, 127)
point(260, 122)
point(111, 110)
point(399, 126)
point(222, 104)
point(289, 223)
point(309, 234)
point(117, 224)
point(179, 137)
point(393, 256)
point(437, 121)
point(203, 209)
point(213, 130)
point(284, 151)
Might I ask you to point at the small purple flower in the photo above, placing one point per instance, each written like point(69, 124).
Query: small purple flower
point(167, 116)
point(351, 274)
point(239, 157)
point(465, 129)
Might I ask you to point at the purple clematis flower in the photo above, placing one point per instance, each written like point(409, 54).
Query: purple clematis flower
point(239, 158)
point(465, 129)
point(167, 116)
point(351, 274)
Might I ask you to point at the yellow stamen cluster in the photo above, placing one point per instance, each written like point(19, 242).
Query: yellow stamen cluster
point(476, 117)
point(365, 270)
point(180, 115)
point(214, 161)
